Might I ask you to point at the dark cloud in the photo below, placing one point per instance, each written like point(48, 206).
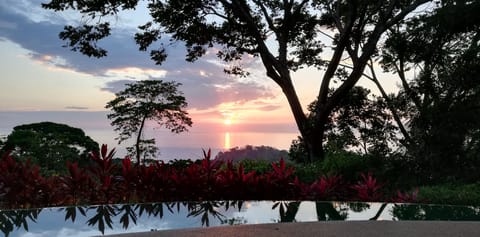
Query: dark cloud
point(41, 38)
point(203, 82)
point(203, 92)
point(116, 86)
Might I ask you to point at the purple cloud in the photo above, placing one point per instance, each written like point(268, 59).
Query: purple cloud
point(203, 82)
point(76, 108)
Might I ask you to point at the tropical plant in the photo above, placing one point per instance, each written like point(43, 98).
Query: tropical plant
point(104, 182)
point(368, 188)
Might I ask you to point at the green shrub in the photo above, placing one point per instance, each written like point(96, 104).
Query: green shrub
point(350, 165)
point(259, 166)
point(308, 173)
point(179, 164)
point(456, 194)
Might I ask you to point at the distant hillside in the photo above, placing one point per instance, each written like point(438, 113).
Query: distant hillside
point(249, 152)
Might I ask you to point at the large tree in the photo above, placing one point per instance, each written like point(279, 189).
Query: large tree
point(360, 123)
point(285, 34)
point(50, 145)
point(146, 100)
point(441, 101)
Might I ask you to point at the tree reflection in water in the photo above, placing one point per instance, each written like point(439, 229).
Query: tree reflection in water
point(105, 216)
point(287, 210)
point(326, 212)
point(430, 212)
point(9, 220)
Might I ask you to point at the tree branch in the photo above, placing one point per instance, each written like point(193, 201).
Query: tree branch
point(409, 92)
point(337, 55)
point(369, 49)
point(396, 117)
point(269, 20)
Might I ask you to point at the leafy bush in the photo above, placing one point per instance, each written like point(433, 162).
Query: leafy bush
point(308, 173)
point(349, 165)
point(179, 164)
point(259, 166)
point(457, 194)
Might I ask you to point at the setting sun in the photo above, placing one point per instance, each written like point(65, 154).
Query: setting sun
point(227, 121)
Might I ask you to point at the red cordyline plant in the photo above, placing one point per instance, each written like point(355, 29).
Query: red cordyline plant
point(405, 197)
point(234, 183)
point(280, 182)
point(103, 175)
point(325, 188)
point(368, 189)
point(129, 181)
point(21, 185)
point(205, 175)
point(76, 185)
point(156, 181)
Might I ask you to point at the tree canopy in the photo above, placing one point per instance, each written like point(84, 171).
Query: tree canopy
point(285, 35)
point(254, 153)
point(441, 102)
point(143, 101)
point(50, 145)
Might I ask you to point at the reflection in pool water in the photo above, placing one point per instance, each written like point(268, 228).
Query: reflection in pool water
point(110, 219)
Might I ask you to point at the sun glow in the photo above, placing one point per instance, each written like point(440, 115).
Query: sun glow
point(227, 121)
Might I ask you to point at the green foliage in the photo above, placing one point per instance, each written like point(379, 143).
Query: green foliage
point(259, 166)
point(360, 122)
point(180, 164)
point(50, 145)
point(2, 141)
point(441, 103)
point(350, 165)
point(298, 151)
point(454, 194)
point(154, 100)
point(265, 153)
point(309, 172)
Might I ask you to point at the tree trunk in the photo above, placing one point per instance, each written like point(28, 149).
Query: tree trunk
point(139, 137)
point(313, 140)
point(326, 211)
point(312, 132)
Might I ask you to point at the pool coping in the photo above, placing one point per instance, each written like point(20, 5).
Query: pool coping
point(330, 229)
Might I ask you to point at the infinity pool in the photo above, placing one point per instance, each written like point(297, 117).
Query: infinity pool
point(112, 219)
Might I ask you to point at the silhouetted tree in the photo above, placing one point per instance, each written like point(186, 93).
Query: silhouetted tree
point(360, 123)
point(146, 100)
point(50, 145)
point(440, 103)
point(249, 152)
point(285, 35)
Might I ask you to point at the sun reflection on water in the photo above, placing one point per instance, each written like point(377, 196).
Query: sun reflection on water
point(227, 141)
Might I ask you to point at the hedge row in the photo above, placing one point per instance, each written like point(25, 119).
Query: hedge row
point(22, 186)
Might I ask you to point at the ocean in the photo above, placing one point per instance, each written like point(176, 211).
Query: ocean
point(171, 146)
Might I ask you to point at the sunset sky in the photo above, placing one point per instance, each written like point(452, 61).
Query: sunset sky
point(38, 74)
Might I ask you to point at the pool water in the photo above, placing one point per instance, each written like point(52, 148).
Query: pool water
point(113, 219)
